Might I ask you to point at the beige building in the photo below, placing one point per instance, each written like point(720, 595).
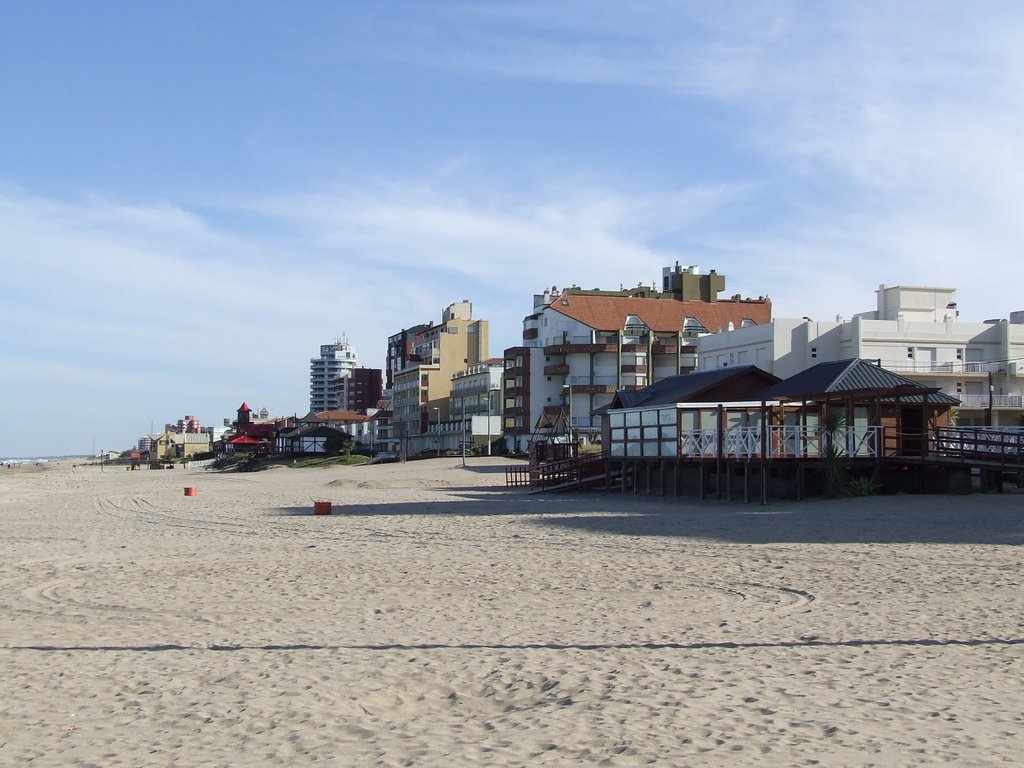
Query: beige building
point(171, 446)
point(422, 390)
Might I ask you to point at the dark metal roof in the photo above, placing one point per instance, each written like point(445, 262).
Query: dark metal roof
point(934, 398)
point(313, 430)
point(848, 376)
point(686, 387)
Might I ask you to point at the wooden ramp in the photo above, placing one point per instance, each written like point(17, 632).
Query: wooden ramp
point(554, 476)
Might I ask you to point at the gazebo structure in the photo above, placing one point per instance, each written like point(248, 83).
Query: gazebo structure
point(246, 444)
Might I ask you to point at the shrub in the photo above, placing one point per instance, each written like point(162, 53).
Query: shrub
point(862, 486)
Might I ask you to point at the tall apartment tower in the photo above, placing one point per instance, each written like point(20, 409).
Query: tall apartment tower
point(336, 360)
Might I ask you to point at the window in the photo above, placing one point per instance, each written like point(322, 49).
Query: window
point(692, 325)
point(814, 353)
point(635, 326)
point(910, 353)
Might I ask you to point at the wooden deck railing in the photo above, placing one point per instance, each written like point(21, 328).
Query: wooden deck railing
point(573, 472)
point(991, 445)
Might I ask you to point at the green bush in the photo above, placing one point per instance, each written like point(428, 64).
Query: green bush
point(862, 486)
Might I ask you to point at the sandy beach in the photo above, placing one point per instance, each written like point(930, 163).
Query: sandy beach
point(438, 619)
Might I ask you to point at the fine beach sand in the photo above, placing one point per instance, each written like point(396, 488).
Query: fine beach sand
point(438, 619)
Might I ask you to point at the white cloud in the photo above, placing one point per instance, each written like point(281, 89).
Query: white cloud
point(143, 305)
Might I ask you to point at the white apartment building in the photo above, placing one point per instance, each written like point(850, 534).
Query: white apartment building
point(582, 346)
point(336, 360)
point(474, 404)
point(915, 331)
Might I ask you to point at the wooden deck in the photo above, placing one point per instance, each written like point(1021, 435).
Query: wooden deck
point(780, 451)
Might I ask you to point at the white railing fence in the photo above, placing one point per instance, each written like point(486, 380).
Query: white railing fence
point(781, 442)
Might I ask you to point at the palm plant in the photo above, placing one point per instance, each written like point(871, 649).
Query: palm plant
point(834, 429)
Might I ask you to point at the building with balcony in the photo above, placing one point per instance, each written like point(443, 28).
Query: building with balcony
point(914, 331)
point(400, 351)
point(336, 361)
point(474, 416)
point(421, 394)
point(582, 346)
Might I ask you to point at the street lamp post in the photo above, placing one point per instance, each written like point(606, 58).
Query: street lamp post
point(438, 438)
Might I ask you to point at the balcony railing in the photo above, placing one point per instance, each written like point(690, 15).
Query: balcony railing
point(949, 366)
point(996, 401)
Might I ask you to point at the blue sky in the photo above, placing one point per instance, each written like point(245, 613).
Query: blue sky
point(194, 196)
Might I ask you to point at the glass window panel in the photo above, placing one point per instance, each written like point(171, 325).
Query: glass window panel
point(632, 418)
point(667, 416)
point(649, 417)
point(617, 418)
point(735, 419)
point(618, 449)
point(632, 449)
point(633, 434)
point(668, 448)
point(650, 433)
point(618, 434)
point(667, 432)
point(651, 447)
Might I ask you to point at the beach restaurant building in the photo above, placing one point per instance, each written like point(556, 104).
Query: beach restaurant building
point(710, 430)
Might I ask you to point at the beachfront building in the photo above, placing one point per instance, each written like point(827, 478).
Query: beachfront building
point(914, 331)
point(422, 389)
point(360, 390)
point(473, 416)
point(741, 428)
point(336, 360)
point(171, 446)
point(580, 347)
point(400, 352)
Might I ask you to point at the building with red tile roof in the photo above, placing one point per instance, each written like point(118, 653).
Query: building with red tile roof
point(582, 346)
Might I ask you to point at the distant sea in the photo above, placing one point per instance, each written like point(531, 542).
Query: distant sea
point(43, 459)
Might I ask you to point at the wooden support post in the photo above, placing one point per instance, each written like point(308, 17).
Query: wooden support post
point(720, 451)
point(764, 453)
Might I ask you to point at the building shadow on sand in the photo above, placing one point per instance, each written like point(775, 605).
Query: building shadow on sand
point(991, 519)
